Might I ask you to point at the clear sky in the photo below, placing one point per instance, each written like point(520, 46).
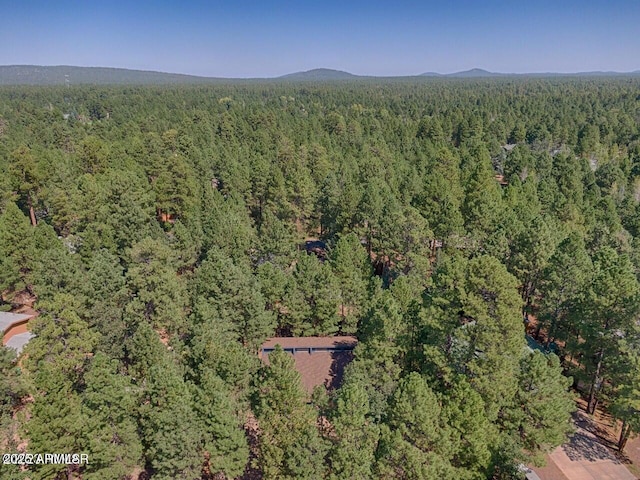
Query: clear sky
point(248, 38)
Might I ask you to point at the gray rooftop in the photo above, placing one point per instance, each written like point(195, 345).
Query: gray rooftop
point(17, 342)
point(6, 319)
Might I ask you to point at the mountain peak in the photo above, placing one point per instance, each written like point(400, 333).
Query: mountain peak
point(474, 73)
point(319, 74)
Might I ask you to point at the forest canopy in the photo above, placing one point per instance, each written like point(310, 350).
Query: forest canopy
point(161, 232)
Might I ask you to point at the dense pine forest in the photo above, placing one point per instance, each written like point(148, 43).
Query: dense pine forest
point(161, 233)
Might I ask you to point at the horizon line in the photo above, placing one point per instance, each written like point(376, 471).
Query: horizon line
point(331, 69)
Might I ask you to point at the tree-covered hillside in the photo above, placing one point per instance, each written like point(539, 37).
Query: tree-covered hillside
point(69, 75)
point(162, 232)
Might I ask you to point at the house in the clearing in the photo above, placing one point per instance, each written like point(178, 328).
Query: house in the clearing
point(319, 360)
point(15, 329)
point(501, 180)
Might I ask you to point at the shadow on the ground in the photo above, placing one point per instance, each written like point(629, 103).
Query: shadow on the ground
point(590, 441)
point(583, 446)
point(603, 435)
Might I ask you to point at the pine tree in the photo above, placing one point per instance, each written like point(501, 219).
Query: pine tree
point(477, 327)
point(25, 178)
point(415, 442)
point(107, 296)
point(109, 404)
point(312, 298)
point(62, 338)
point(563, 281)
point(12, 393)
point(17, 249)
point(626, 396)
point(483, 200)
point(169, 428)
point(230, 294)
point(541, 413)
point(290, 446)
point(159, 294)
point(352, 455)
point(58, 422)
point(227, 225)
point(224, 441)
point(608, 308)
point(471, 434)
point(353, 271)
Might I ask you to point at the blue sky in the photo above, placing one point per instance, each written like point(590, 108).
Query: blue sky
point(247, 38)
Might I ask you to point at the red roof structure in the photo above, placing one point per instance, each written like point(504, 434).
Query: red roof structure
point(319, 360)
point(15, 329)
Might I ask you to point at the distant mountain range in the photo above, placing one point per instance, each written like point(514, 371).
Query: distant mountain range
point(473, 73)
point(69, 75)
point(480, 73)
point(320, 74)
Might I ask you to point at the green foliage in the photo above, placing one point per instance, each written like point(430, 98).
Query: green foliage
point(564, 279)
point(227, 293)
point(311, 298)
point(479, 332)
point(414, 441)
point(352, 455)
point(17, 249)
point(58, 422)
point(109, 403)
point(542, 405)
point(12, 392)
point(224, 441)
point(168, 423)
point(63, 340)
point(290, 446)
point(352, 270)
point(169, 244)
point(107, 295)
point(610, 304)
point(159, 296)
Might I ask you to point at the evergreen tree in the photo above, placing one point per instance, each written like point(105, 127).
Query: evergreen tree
point(479, 332)
point(230, 294)
point(414, 442)
point(58, 422)
point(25, 178)
point(109, 404)
point(17, 249)
point(483, 200)
point(352, 456)
point(564, 279)
point(168, 423)
point(159, 295)
point(471, 434)
point(290, 446)
point(608, 308)
point(312, 298)
point(224, 441)
point(541, 413)
point(107, 296)
point(352, 270)
point(12, 393)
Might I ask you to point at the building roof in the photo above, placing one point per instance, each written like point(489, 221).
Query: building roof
point(17, 342)
point(319, 360)
point(310, 342)
point(7, 319)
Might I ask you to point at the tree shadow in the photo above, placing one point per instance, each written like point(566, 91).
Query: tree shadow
point(583, 446)
point(339, 361)
point(603, 435)
point(252, 432)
